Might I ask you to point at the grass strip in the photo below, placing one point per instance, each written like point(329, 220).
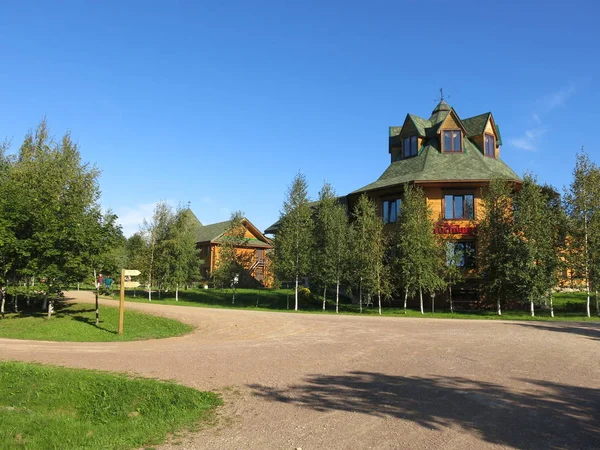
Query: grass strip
point(47, 407)
point(77, 323)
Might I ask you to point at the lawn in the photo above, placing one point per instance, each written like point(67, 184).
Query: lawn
point(46, 407)
point(567, 306)
point(77, 322)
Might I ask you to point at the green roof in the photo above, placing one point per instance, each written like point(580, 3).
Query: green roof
point(433, 165)
point(214, 231)
point(208, 233)
point(476, 125)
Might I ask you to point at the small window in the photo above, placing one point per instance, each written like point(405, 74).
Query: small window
point(459, 206)
point(452, 141)
point(391, 209)
point(490, 145)
point(409, 145)
point(461, 254)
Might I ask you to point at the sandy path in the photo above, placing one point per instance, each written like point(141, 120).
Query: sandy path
point(345, 382)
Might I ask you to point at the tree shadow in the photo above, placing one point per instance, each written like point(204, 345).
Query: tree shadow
point(588, 329)
point(547, 416)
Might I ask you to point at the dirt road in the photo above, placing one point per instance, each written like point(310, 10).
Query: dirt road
point(315, 381)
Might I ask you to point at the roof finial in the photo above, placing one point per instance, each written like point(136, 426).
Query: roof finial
point(442, 97)
point(189, 204)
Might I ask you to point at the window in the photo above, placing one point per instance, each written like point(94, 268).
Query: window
point(451, 141)
point(409, 145)
point(461, 254)
point(391, 208)
point(459, 206)
point(490, 145)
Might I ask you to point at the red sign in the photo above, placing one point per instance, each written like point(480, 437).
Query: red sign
point(453, 229)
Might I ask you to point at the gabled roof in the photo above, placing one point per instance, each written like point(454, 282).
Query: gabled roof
point(419, 123)
point(476, 125)
point(433, 165)
point(213, 232)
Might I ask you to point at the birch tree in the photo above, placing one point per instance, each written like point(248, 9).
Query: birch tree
point(416, 248)
point(232, 261)
point(184, 257)
point(293, 241)
point(331, 243)
point(368, 251)
point(155, 232)
point(497, 243)
point(582, 203)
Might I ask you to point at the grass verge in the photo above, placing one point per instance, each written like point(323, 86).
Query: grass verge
point(567, 306)
point(77, 323)
point(46, 407)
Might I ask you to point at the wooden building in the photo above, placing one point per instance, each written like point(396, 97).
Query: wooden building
point(451, 159)
point(256, 246)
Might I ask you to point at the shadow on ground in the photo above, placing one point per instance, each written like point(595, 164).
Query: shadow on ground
point(589, 330)
point(547, 416)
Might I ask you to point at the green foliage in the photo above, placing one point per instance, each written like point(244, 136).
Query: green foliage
point(231, 261)
point(418, 254)
point(369, 271)
point(51, 225)
point(45, 407)
point(582, 203)
point(293, 245)
point(331, 240)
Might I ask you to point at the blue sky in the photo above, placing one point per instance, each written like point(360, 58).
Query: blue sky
point(221, 103)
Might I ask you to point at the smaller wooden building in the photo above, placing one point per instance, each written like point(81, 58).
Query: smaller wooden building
point(256, 246)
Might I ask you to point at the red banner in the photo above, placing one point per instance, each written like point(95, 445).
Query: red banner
point(453, 229)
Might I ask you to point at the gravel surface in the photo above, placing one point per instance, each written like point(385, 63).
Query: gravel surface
point(314, 381)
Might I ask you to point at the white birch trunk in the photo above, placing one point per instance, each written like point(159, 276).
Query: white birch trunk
point(360, 296)
point(432, 303)
point(177, 293)
point(450, 296)
point(532, 308)
point(337, 297)
point(379, 300)
point(324, 293)
point(405, 299)
point(77, 286)
point(3, 302)
point(421, 299)
point(16, 303)
point(498, 307)
point(296, 295)
point(551, 306)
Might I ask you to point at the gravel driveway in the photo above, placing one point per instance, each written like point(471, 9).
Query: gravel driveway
point(315, 381)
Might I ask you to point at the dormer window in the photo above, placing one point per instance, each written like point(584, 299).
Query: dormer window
point(452, 141)
point(409, 145)
point(489, 145)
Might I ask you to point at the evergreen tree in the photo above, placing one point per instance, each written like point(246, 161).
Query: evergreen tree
point(293, 242)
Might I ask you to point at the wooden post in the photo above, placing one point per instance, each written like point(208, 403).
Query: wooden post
point(122, 302)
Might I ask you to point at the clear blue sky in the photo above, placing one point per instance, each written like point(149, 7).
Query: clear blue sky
point(221, 103)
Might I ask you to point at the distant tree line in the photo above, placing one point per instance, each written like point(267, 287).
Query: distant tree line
point(528, 239)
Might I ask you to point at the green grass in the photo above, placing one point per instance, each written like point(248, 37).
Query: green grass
point(77, 322)
point(567, 306)
point(46, 407)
